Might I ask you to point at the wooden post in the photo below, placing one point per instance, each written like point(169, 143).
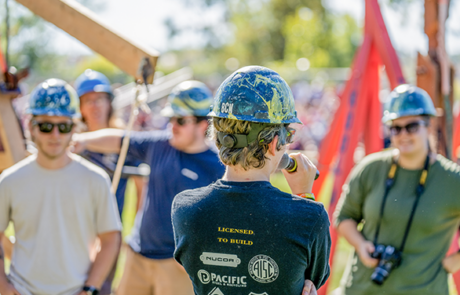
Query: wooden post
point(12, 144)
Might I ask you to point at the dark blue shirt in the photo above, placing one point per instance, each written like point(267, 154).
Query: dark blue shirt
point(172, 172)
point(240, 238)
point(108, 162)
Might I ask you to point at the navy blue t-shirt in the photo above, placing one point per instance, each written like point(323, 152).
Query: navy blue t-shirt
point(108, 162)
point(172, 172)
point(250, 238)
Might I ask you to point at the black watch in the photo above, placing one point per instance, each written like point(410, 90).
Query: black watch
point(90, 290)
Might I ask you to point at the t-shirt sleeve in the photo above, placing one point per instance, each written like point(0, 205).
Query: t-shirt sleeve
point(140, 143)
point(318, 270)
point(176, 217)
point(351, 201)
point(107, 217)
point(4, 206)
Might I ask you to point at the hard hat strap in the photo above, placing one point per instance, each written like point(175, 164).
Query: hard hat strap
point(241, 140)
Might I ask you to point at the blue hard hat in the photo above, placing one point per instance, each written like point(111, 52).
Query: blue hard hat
point(189, 98)
point(408, 100)
point(255, 94)
point(92, 81)
point(54, 97)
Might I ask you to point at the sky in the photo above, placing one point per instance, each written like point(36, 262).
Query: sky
point(143, 21)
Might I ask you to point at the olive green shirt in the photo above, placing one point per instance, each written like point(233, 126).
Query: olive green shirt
point(436, 218)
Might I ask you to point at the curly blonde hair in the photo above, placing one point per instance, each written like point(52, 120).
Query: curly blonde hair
point(252, 156)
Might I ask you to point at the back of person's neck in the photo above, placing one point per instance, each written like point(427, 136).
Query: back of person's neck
point(412, 161)
point(53, 164)
point(238, 174)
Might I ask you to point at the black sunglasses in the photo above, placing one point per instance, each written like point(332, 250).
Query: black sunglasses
point(290, 135)
point(47, 127)
point(410, 128)
point(182, 121)
point(288, 138)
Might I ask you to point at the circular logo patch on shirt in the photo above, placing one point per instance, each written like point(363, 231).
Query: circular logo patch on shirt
point(263, 269)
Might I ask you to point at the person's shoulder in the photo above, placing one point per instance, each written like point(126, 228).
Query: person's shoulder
point(377, 158)
point(87, 168)
point(373, 162)
point(18, 170)
point(449, 167)
point(313, 208)
point(299, 204)
point(192, 196)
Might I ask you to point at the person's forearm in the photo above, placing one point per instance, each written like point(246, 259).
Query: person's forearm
point(3, 278)
point(105, 259)
point(349, 230)
point(106, 141)
point(451, 263)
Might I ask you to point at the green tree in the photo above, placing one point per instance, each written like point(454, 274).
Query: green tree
point(331, 42)
point(274, 33)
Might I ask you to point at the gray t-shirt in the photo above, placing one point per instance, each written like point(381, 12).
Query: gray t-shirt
point(57, 215)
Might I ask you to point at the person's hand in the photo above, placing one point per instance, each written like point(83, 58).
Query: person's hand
point(301, 181)
point(364, 251)
point(309, 288)
point(82, 293)
point(78, 144)
point(9, 290)
point(451, 263)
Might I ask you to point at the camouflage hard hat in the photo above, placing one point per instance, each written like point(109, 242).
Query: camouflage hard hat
point(408, 100)
point(255, 94)
point(189, 98)
point(54, 97)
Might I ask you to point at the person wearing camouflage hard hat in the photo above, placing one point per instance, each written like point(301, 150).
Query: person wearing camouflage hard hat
point(59, 203)
point(242, 221)
point(180, 158)
point(407, 197)
point(189, 98)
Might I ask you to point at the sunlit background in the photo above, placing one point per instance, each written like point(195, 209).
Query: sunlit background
point(311, 43)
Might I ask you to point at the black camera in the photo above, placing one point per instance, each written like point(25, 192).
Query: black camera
point(390, 258)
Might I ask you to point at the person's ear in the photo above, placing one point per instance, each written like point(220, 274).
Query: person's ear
point(272, 146)
point(31, 127)
point(203, 125)
point(31, 131)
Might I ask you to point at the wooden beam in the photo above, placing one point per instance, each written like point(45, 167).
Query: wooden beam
point(12, 145)
point(84, 25)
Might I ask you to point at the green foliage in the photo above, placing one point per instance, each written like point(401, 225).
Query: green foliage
point(328, 42)
point(100, 64)
point(274, 33)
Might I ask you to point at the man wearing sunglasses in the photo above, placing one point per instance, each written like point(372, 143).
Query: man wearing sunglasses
point(407, 198)
point(59, 204)
point(180, 158)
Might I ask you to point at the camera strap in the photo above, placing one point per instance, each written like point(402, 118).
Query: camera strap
point(418, 192)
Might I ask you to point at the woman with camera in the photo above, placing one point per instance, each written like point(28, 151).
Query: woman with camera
point(406, 200)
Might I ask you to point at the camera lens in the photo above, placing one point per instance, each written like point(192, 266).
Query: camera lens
point(379, 275)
